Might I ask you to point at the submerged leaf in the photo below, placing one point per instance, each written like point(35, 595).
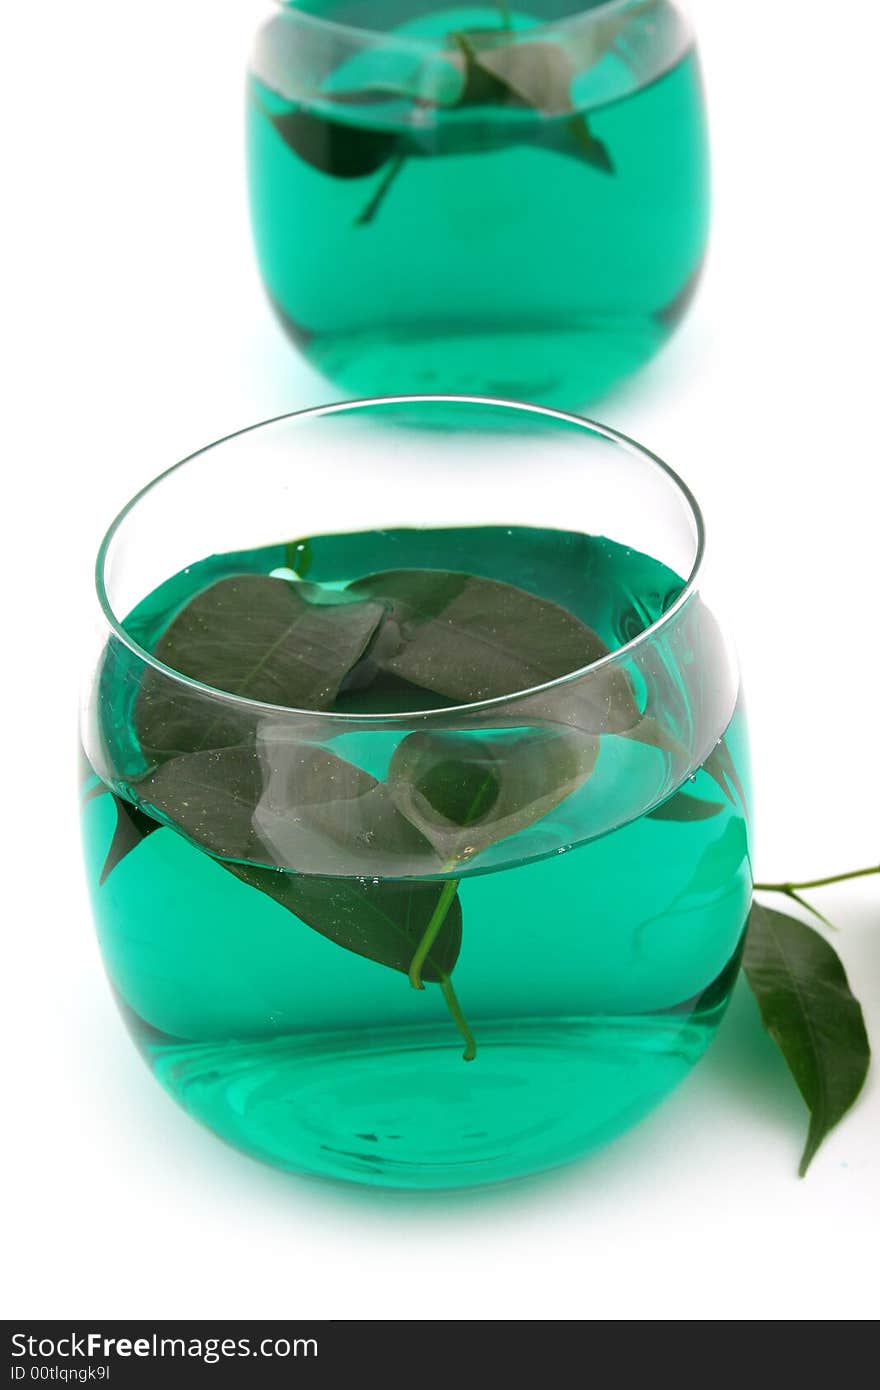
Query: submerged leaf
point(465, 793)
point(132, 826)
point(682, 807)
point(339, 149)
point(722, 769)
point(594, 151)
point(272, 640)
point(383, 921)
point(811, 1014)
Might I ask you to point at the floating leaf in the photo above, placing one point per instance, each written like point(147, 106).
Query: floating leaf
point(273, 640)
point(533, 73)
point(480, 86)
point(468, 638)
point(291, 804)
point(465, 792)
point(132, 827)
point(811, 1014)
point(684, 808)
point(537, 74)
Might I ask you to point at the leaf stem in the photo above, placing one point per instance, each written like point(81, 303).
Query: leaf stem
point(808, 907)
point(372, 207)
point(790, 888)
point(458, 1018)
point(438, 917)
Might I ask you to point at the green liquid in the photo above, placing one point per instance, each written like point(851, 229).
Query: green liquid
point(593, 974)
point(513, 268)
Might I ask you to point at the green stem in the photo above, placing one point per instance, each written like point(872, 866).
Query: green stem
point(504, 8)
point(790, 888)
point(438, 917)
point(458, 1018)
point(378, 197)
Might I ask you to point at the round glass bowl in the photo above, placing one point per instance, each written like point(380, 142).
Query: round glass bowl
point(416, 797)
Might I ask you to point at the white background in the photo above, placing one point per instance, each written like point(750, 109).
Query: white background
point(136, 331)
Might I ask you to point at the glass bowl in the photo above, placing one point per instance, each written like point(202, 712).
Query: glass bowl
point(415, 799)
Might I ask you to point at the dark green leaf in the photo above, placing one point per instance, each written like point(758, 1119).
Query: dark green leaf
point(132, 826)
point(383, 921)
point(594, 151)
point(465, 793)
point(468, 638)
point(291, 804)
point(339, 149)
point(810, 1013)
point(273, 640)
point(297, 804)
point(682, 807)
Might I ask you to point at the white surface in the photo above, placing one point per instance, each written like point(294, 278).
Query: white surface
point(137, 332)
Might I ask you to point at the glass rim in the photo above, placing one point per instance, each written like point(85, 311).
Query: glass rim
point(428, 43)
point(407, 717)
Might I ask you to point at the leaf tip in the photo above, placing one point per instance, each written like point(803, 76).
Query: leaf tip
point(809, 1153)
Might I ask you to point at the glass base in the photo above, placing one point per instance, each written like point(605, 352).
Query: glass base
point(400, 1109)
point(566, 369)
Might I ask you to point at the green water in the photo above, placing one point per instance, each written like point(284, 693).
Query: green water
point(500, 261)
point(593, 971)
